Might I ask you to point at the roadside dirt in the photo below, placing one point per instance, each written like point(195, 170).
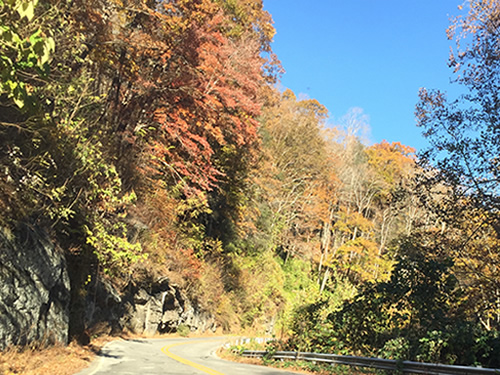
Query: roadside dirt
point(56, 360)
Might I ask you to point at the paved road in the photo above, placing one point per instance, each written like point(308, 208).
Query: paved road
point(169, 356)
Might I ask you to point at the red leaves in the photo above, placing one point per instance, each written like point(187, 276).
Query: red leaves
point(182, 152)
point(182, 84)
point(211, 102)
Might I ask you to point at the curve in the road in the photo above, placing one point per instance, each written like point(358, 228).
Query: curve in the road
point(163, 356)
point(166, 350)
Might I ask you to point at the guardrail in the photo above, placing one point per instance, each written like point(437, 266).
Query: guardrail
point(376, 363)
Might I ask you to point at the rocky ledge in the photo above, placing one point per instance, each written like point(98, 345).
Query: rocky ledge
point(159, 307)
point(36, 300)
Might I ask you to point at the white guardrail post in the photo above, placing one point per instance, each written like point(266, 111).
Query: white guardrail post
point(377, 363)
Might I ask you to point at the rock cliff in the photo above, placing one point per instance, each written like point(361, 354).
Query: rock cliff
point(34, 289)
point(159, 307)
point(36, 303)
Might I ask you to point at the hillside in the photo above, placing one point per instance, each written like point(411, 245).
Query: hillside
point(153, 178)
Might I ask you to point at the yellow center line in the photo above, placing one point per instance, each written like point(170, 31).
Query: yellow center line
point(166, 350)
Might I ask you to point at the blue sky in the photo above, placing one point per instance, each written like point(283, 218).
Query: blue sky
point(370, 54)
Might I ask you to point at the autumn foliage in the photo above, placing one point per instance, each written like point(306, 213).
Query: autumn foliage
point(149, 139)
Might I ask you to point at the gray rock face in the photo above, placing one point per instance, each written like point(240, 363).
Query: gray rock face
point(157, 308)
point(34, 289)
point(163, 309)
point(35, 298)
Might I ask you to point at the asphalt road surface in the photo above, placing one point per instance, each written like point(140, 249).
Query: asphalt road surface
point(170, 356)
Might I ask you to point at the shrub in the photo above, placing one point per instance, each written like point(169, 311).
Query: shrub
point(183, 330)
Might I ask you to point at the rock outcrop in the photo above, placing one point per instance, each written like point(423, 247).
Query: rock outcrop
point(159, 307)
point(34, 289)
point(36, 303)
point(162, 309)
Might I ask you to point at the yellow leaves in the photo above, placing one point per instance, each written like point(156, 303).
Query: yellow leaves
point(193, 206)
point(392, 161)
point(23, 48)
point(362, 257)
point(359, 248)
point(25, 9)
point(314, 107)
point(216, 133)
point(350, 221)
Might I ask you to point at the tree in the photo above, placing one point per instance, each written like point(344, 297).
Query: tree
point(293, 168)
point(60, 172)
point(415, 315)
point(461, 170)
point(394, 165)
point(465, 133)
point(374, 186)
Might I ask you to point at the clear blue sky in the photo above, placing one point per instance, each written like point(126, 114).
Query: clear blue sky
point(371, 54)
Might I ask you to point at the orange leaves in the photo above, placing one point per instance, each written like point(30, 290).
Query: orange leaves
point(180, 144)
point(193, 265)
point(392, 161)
point(231, 72)
point(189, 87)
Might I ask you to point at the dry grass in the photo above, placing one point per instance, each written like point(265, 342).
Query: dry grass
point(56, 360)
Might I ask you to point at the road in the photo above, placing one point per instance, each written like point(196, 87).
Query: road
point(170, 356)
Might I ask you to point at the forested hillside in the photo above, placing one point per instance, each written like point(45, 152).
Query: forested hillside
point(149, 139)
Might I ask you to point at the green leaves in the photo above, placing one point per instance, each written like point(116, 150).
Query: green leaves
point(40, 49)
point(26, 9)
point(24, 51)
point(111, 246)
